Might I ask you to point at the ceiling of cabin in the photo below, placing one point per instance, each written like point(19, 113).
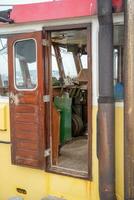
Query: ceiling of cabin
point(78, 37)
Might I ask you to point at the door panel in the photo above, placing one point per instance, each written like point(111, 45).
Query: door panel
point(27, 111)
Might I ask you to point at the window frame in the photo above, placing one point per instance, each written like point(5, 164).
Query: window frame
point(14, 64)
point(64, 67)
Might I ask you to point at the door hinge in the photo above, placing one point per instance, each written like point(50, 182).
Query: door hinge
point(47, 152)
point(45, 42)
point(46, 98)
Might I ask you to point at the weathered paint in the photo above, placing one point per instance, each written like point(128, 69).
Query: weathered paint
point(53, 10)
point(119, 151)
point(3, 125)
point(39, 184)
point(62, 9)
point(117, 5)
point(106, 108)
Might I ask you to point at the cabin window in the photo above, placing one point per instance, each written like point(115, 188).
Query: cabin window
point(84, 61)
point(118, 62)
point(71, 103)
point(25, 64)
point(3, 67)
point(68, 62)
point(55, 70)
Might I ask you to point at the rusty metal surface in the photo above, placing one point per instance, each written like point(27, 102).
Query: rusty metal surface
point(106, 111)
point(106, 151)
point(106, 48)
point(129, 99)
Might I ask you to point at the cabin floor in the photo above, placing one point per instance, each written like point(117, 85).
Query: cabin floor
point(74, 155)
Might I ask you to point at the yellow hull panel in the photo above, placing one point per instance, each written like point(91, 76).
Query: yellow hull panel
point(39, 184)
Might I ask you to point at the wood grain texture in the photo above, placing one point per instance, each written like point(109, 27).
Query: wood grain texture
point(27, 117)
point(55, 135)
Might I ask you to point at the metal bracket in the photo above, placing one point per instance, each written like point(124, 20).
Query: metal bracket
point(47, 152)
point(45, 42)
point(46, 98)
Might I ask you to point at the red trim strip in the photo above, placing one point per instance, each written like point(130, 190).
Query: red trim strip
point(58, 9)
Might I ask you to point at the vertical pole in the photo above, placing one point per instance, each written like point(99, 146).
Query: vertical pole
point(59, 61)
point(106, 111)
point(129, 99)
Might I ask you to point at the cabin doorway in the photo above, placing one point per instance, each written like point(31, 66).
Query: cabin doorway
point(69, 58)
point(50, 90)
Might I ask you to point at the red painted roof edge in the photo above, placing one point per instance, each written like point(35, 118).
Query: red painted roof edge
point(61, 9)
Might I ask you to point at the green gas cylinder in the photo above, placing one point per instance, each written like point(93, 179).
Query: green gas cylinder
point(64, 104)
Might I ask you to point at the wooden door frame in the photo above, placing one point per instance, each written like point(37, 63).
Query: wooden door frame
point(47, 31)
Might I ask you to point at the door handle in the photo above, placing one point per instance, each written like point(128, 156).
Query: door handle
point(14, 99)
point(11, 100)
point(11, 97)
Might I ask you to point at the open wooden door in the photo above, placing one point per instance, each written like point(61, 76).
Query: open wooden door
point(26, 87)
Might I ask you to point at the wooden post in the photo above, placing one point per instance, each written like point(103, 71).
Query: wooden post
point(129, 99)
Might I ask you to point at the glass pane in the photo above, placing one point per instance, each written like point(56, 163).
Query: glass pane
point(55, 70)
point(3, 67)
point(25, 64)
point(68, 63)
point(84, 61)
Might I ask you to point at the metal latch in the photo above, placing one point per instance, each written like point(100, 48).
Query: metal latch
point(47, 152)
point(46, 98)
point(45, 42)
